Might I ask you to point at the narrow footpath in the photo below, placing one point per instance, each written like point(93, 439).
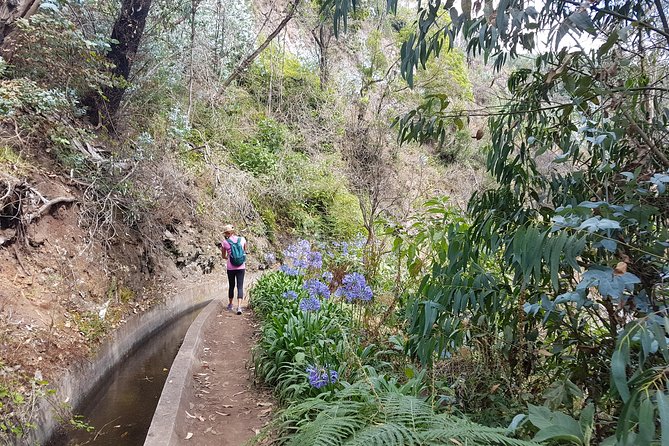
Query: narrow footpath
point(225, 408)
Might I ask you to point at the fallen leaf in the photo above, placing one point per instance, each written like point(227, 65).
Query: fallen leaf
point(223, 414)
point(189, 435)
point(189, 415)
point(620, 269)
point(264, 404)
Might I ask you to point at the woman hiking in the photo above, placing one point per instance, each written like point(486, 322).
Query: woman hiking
point(233, 249)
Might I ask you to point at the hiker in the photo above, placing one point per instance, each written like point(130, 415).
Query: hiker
point(233, 249)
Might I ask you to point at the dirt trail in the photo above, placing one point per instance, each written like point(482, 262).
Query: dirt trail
point(225, 407)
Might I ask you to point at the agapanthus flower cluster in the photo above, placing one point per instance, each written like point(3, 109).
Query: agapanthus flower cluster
point(321, 376)
point(354, 287)
point(316, 288)
point(315, 260)
point(270, 259)
point(310, 304)
point(290, 294)
point(327, 277)
point(299, 257)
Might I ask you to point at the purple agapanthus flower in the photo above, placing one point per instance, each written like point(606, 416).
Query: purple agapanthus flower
point(315, 260)
point(288, 270)
point(299, 257)
point(270, 259)
point(317, 289)
point(327, 276)
point(290, 294)
point(354, 287)
point(310, 304)
point(321, 376)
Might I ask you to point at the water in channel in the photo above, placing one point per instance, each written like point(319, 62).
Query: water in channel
point(122, 409)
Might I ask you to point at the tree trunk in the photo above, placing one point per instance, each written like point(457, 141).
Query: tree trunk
point(10, 12)
point(127, 32)
point(191, 68)
point(322, 38)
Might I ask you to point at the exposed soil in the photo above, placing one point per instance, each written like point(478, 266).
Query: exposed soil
point(226, 407)
point(64, 288)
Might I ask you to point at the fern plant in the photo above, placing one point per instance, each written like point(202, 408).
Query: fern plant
point(364, 415)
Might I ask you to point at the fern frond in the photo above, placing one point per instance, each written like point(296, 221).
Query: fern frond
point(387, 434)
point(326, 430)
point(445, 429)
point(362, 416)
point(407, 410)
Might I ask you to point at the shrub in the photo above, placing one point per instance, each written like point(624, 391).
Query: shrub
point(52, 50)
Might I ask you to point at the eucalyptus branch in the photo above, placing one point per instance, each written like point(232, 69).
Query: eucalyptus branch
point(646, 139)
point(246, 62)
point(618, 15)
point(663, 18)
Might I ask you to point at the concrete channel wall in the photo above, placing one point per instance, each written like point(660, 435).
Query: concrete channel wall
point(174, 397)
point(78, 382)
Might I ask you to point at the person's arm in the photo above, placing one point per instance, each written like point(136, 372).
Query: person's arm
point(246, 251)
point(224, 252)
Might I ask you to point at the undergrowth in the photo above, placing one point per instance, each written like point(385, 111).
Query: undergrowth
point(337, 386)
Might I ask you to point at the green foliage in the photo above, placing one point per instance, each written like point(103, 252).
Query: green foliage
point(561, 427)
point(10, 158)
point(266, 294)
point(344, 218)
point(292, 339)
point(261, 155)
point(378, 408)
point(546, 255)
point(52, 50)
point(90, 325)
point(78, 422)
point(18, 396)
point(255, 158)
point(362, 414)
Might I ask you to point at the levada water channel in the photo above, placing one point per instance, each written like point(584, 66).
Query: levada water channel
point(121, 409)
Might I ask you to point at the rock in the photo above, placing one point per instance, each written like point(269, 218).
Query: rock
point(6, 236)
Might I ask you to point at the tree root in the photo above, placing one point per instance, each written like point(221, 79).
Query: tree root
point(21, 205)
point(46, 207)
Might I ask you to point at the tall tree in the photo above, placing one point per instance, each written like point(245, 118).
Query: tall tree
point(322, 35)
point(126, 36)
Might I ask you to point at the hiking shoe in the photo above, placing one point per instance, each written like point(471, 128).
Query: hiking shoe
point(239, 310)
point(229, 307)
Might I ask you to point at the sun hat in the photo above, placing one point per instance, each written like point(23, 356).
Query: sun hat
point(228, 228)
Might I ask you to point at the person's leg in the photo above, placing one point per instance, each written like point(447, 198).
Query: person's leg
point(240, 290)
point(231, 288)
